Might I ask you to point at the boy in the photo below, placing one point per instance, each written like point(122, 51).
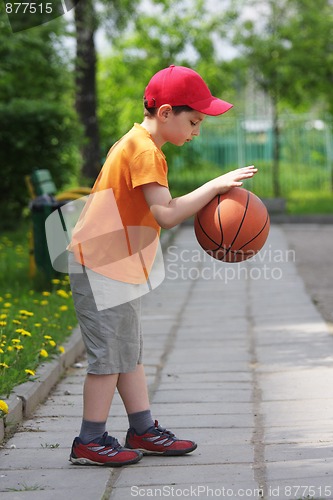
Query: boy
point(132, 192)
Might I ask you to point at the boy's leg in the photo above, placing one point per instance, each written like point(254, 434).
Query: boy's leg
point(132, 387)
point(144, 434)
point(98, 392)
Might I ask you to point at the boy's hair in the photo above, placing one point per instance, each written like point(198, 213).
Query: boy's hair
point(151, 112)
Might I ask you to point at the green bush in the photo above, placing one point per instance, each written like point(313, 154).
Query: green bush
point(34, 134)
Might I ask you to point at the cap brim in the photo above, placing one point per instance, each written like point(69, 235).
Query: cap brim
point(212, 106)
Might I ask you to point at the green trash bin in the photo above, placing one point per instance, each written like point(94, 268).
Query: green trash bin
point(41, 207)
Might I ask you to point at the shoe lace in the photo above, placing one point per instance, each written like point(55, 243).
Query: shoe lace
point(162, 430)
point(111, 441)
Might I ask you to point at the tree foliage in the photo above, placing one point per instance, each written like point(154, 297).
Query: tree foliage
point(172, 32)
point(38, 125)
point(288, 46)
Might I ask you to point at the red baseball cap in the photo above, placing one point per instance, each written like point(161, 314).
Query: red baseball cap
point(181, 86)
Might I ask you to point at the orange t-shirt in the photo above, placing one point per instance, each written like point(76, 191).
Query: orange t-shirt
point(116, 234)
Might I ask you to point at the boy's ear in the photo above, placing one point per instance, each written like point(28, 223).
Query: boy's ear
point(164, 111)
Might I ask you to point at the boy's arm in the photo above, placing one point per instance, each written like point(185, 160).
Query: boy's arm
point(169, 211)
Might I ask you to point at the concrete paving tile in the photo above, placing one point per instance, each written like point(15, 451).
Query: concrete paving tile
point(299, 412)
point(307, 433)
point(305, 470)
point(302, 384)
point(213, 421)
point(193, 474)
point(205, 366)
point(223, 436)
point(46, 458)
point(67, 483)
point(221, 376)
point(198, 396)
point(216, 408)
point(189, 386)
point(296, 452)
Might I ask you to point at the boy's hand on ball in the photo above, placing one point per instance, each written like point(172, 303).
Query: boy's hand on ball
point(234, 178)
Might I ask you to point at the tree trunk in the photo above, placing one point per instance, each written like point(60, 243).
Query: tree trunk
point(85, 79)
point(276, 151)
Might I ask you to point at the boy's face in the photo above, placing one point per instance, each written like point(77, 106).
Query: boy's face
point(182, 127)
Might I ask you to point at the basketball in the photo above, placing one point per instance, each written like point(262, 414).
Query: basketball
point(233, 227)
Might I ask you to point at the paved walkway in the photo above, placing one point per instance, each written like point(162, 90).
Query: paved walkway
point(238, 359)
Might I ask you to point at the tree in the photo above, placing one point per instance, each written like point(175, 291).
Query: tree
point(288, 49)
point(38, 127)
point(172, 32)
point(114, 14)
point(85, 79)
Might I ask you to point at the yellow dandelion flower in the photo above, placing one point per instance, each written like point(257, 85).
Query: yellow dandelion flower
point(44, 302)
point(46, 294)
point(35, 301)
point(16, 322)
point(16, 341)
point(62, 294)
point(45, 320)
point(3, 407)
point(1, 351)
point(43, 353)
point(25, 333)
point(55, 281)
point(61, 349)
point(37, 325)
point(7, 305)
point(19, 330)
point(3, 316)
point(52, 343)
point(63, 308)
point(23, 312)
point(10, 348)
point(57, 315)
point(18, 347)
point(4, 365)
point(47, 337)
point(30, 372)
point(8, 295)
point(3, 323)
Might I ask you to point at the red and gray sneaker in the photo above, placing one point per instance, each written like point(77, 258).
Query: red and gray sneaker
point(158, 441)
point(103, 451)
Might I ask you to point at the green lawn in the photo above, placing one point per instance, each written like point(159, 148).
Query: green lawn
point(36, 315)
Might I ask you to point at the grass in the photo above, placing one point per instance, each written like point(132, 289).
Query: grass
point(36, 315)
point(301, 189)
point(308, 202)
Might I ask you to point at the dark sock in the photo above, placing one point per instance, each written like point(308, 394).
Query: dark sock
point(141, 421)
point(91, 431)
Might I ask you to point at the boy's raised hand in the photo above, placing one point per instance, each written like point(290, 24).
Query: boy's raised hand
point(233, 179)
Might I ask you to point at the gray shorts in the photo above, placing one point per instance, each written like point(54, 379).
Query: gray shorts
point(112, 336)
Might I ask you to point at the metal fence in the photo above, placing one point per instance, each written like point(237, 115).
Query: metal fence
point(306, 150)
